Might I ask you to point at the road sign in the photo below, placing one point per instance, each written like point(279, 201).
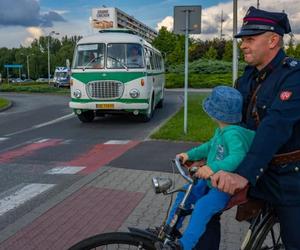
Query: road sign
point(187, 20)
point(13, 66)
point(194, 16)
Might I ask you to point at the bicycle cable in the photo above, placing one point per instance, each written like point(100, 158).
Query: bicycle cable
point(171, 199)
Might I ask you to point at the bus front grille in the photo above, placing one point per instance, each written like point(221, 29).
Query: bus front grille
point(105, 89)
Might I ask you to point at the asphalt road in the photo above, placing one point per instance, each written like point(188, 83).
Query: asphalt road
point(39, 133)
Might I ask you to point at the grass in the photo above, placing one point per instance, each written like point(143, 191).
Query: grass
point(200, 126)
point(32, 88)
point(3, 103)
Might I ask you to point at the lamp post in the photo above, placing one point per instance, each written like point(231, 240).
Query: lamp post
point(49, 35)
point(27, 62)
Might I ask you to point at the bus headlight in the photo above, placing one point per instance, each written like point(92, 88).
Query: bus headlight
point(134, 93)
point(77, 93)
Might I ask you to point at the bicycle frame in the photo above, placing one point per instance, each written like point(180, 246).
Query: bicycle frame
point(162, 186)
point(260, 233)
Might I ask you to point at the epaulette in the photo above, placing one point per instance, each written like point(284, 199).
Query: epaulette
point(290, 62)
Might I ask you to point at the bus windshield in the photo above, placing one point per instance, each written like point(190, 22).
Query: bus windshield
point(61, 74)
point(90, 56)
point(120, 54)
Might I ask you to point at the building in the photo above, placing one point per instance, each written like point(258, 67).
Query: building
point(105, 18)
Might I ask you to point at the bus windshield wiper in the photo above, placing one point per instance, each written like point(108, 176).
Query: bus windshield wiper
point(117, 60)
point(94, 59)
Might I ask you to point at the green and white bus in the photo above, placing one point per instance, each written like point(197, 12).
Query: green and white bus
point(114, 72)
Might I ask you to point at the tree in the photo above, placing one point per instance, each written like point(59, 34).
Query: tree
point(227, 56)
point(290, 51)
point(164, 42)
point(211, 54)
point(177, 55)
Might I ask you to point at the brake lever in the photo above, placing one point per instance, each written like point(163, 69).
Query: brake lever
point(193, 170)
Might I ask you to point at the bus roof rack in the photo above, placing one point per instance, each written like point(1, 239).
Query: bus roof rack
point(118, 31)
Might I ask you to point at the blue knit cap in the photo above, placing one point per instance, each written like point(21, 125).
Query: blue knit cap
point(224, 104)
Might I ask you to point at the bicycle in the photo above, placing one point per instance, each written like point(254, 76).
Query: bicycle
point(263, 232)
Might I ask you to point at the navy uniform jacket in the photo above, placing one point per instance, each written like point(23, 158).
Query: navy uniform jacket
point(278, 106)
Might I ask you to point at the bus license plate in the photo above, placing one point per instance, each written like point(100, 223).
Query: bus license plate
point(105, 106)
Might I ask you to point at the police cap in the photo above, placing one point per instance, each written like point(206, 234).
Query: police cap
point(259, 21)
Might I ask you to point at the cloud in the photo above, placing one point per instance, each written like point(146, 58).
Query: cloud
point(166, 22)
point(211, 17)
point(34, 33)
point(26, 13)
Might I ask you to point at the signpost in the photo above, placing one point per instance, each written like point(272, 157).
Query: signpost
point(12, 66)
point(187, 20)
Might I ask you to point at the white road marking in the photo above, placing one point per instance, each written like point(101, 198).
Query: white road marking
point(54, 121)
point(65, 170)
point(3, 138)
point(65, 117)
point(21, 194)
point(117, 142)
point(42, 141)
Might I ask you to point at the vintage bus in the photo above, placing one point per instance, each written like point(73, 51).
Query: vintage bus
point(114, 72)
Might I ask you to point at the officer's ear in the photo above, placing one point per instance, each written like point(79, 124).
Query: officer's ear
point(274, 40)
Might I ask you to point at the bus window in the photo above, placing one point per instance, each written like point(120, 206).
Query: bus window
point(121, 55)
point(147, 56)
point(152, 62)
point(134, 56)
point(89, 56)
point(115, 56)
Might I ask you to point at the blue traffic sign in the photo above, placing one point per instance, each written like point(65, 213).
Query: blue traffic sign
point(13, 66)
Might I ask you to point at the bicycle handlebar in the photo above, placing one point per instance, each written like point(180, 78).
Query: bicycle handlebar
point(179, 166)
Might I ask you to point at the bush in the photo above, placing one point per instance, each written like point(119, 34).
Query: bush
point(174, 80)
point(206, 66)
point(32, 88)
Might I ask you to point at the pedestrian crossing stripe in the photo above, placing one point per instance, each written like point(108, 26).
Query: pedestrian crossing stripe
point(20, 194)
point(65, 170)
point(112, 142)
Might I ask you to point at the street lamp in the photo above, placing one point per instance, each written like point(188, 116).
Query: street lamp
point(49, 35)
point(27, 61)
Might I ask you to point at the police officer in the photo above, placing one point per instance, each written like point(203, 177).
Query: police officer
point(270, 86)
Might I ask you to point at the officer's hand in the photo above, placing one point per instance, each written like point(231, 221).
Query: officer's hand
point(183, 156)
point(228, 182)
point(204, 172)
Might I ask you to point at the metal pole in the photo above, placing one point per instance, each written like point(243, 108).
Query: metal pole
point(28, 77)
point(186, 67)
point(49, 59)
point(235, 48)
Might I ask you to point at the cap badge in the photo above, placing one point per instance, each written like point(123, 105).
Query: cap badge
point(285, 95)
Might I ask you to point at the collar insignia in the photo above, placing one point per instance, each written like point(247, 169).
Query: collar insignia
point(285, 95)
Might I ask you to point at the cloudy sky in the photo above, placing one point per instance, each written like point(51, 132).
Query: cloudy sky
point(21, 21)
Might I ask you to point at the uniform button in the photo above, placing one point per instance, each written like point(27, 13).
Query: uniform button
point(264, 106)
point(257, 177)
point(296, 169)
point(261, 170)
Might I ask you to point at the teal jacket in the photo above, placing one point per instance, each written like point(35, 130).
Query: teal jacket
point(226, 149)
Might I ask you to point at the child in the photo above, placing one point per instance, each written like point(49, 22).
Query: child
point(224, 151)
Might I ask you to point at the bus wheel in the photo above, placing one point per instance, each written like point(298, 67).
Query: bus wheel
point(160, 104)
point(149, 113)
point(87, 116)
